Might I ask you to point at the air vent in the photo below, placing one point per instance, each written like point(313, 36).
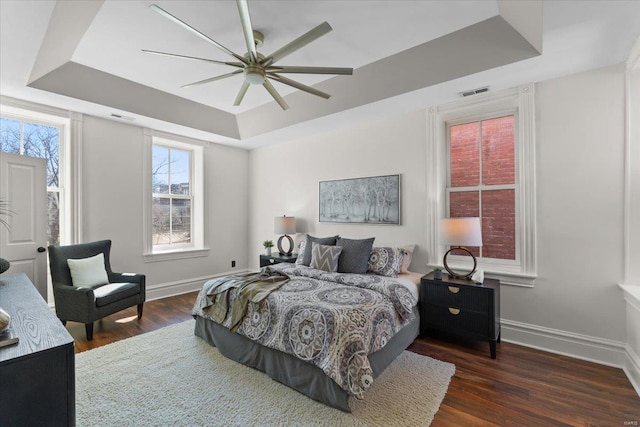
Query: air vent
point(121, 117)
point(475, 91)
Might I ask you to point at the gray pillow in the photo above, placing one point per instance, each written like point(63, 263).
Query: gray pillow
point(330, 241)
point(355, 255)
point(324, 257)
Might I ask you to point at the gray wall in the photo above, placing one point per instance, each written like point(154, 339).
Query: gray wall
point(112, 197)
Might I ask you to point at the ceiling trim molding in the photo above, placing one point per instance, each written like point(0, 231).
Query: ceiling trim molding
point(485, 45)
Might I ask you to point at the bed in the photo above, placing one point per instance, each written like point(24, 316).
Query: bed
point(327, 335)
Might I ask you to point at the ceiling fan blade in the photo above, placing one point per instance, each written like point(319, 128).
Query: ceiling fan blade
point(186, 26)
point(272, 90)
point(243, 9)
point(301, 41)
point(212, 79)
point(174, 55)
point(243, 90)
point(298, 85)
point(310, 70)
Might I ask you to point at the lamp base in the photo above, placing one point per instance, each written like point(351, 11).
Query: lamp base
point(282, 252)
point(456, 275)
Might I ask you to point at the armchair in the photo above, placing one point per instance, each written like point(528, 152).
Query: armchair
point(88, 304)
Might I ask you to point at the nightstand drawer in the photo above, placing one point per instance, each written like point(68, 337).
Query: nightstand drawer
point(456, 319)
point(463, 297)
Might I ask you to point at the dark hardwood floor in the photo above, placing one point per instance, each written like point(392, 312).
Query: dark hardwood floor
point(522, 387)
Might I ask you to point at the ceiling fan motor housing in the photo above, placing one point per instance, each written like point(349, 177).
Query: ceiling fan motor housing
point(254, 74)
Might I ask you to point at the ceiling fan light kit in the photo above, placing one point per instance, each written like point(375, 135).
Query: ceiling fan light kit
point(258, 69)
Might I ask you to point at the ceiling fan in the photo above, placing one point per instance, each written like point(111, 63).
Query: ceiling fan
point(257, 68)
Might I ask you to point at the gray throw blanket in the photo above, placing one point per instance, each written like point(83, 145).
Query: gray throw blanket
point(251, 287)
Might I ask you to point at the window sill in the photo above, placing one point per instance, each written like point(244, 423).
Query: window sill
point(176, 254)
point(511, 278)
point(631, 294)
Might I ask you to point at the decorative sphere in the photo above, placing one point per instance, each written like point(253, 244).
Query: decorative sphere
point(5, 319)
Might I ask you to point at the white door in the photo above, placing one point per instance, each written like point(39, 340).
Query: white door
point(23, 185)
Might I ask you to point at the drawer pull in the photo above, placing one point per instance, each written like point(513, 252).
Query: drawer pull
point(454, 289)
point(272, 261)
point(454, 311)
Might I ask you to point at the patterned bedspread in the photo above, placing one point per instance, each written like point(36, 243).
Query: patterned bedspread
point(332, 320)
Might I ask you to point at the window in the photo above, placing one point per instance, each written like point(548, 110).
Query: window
point(482, 181)
point(38, 139)
point(174, 211)
point(172, 197)
point(481, 163)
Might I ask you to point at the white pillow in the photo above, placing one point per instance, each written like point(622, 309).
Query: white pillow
point(88, 271)
point(406, 261)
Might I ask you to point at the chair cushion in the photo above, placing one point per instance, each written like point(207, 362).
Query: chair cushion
point(106, 294)
point(88, 272)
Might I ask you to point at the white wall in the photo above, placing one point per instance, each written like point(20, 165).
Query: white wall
point(632, 281)
point(634, 188)
point(112, 155)
point(575, 304)
point(284, 180)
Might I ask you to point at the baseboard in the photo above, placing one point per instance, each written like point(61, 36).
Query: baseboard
point(584, 347)
point(632, 368)
point(178, 287)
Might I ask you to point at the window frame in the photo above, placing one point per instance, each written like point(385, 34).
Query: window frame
point(70, 164)
point(520, 100)
point(25, 113)
point(457, 259)
point(198, 245)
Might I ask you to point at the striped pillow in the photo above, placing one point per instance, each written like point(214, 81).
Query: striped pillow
point(325, 257)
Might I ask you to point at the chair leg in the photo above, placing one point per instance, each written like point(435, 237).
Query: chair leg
point(140, 310)
point(89, 329)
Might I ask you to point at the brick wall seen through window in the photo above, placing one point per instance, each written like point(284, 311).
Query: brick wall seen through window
point(482, 181)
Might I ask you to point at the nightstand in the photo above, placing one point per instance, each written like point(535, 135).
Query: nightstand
point(461, 307)
point(276, 259)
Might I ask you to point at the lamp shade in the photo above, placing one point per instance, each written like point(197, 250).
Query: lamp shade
point(460, 232)
point(284, 225)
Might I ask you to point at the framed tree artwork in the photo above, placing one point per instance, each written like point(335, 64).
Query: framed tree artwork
point(370, 200)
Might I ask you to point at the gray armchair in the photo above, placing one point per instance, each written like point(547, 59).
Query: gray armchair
point(88, 304)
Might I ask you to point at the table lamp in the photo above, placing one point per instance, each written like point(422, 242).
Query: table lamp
point(458, 233)
point(285, 225)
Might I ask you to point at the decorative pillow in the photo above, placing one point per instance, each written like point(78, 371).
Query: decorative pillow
point(87, 272)
point(355, 255)
point(386, 261)
point(408, 254)
point(325, 257)
point(330, 241)
point(301, 246)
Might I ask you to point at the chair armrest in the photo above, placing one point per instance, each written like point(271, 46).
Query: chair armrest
point(132, 278)
point(126, 277)
point(73, 303)
point(77, 294)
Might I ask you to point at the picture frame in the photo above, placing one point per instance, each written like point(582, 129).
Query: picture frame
point(371, 200)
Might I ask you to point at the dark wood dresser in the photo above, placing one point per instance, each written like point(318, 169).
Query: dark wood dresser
point(37, 375)
point(461, 307)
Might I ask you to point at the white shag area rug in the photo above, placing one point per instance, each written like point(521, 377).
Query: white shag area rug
point(170, 377)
